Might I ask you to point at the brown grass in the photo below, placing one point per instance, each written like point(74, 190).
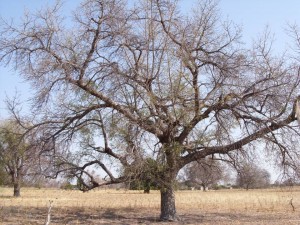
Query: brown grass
point(133, 207)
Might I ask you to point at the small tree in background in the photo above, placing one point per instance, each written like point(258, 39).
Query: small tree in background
point(251, 176)
point(144, 177)
point(18, 154)
point(204, 173)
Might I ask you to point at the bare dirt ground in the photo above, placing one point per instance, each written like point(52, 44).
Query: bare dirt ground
point(131, 207)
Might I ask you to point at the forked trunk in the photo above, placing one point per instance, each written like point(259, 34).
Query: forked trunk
point(168, 209)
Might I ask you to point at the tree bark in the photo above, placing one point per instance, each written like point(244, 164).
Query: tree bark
point(167, 204)
point(147, 187)
point(16, 180)
point(147, 190)
point(168, 209)
point(17, 188)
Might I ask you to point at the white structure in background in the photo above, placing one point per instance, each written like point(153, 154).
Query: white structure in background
point(202, 189)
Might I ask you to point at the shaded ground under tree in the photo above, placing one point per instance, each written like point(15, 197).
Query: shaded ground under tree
point(35, 216)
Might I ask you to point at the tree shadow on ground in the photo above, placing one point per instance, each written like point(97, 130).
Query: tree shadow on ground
point(7, 197)
point(128, 216)
point(108, 216)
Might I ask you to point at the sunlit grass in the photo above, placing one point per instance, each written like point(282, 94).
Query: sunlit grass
point(240, 200)
point(271, 200)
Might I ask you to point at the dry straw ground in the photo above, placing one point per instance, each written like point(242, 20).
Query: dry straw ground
point(132, 207)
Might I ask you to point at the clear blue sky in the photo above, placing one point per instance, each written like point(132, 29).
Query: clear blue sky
point(253, 15)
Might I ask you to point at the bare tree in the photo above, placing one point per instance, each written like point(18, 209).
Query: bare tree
point(17, 153)
point(121, 84)
point(251, 176)
point(205, 172)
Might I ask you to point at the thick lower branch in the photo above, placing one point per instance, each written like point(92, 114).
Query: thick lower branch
point(205, 151)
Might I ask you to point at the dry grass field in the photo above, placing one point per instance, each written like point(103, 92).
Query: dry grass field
point(271, 206)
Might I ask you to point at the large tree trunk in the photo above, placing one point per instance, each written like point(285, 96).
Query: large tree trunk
point(168, 209)
point(16, 179)
point(17, 188)
point(167, 202)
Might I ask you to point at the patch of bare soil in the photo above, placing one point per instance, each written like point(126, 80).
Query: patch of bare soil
point(37, 216)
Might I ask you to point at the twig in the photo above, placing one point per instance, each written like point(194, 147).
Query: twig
point(291, 203)
point(49, 213)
